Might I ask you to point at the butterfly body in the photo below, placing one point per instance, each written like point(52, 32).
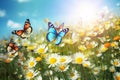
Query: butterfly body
point(25, 32)
point(54, 35)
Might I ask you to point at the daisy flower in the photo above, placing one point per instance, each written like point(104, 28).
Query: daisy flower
point(103, 48)
point(42, 48)
point(96, 70)
point(31, 62)
point(62, 67)
point(38, 59)
point(104, 67)
point(52, 60)
point(112, 69)
point(82, 48)
point(86, 64)
point(115, 45)
point(31, 47)
point(115, 62)
point(30, 74)
point(73, 75)
point(65, 59)
point(78, 58)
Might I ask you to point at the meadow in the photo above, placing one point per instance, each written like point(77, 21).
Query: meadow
point(84, 54)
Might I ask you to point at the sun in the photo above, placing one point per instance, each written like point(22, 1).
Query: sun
point(84, 12)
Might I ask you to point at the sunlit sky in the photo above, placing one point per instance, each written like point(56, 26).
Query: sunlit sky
point(14, 12)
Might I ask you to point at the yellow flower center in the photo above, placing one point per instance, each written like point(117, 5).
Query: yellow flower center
point(113, 44)
point(85, 65)
point(79, 60)
point(62, 67)
point(116, 63)
point(29, 74)
point(31, 47)
point(104, 49)
point(41, 50)
point(82, 48)
point(72, 74)
point(62, 59)
point(53, 60)
point(38, 59)
point(31, 63)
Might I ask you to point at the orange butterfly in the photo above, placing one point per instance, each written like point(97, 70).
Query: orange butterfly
point(25, 32)
point(12, 48)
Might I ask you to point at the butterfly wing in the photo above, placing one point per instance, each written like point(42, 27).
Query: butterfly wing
point(52, 33)
point(61, 34)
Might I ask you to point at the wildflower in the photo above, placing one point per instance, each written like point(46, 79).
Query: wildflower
point(112, 69)
point(42, 49)
point(38, 59)
point(31, 62)
point(52, 60)
point(73, 75)
point(115, 62)
point(65, 59)
point(62, 67)
point(96, 70)
point(82, 48)
point(78, 58)
point(86, 64)
point(30, 74)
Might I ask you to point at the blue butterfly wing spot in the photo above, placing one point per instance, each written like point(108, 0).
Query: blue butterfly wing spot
point(61, 35)
point(51, 36)
point(58, 40)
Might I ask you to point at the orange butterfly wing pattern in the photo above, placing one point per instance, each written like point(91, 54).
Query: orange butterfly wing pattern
point(27, 30)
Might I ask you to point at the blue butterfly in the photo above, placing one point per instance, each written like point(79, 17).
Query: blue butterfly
point(54, 35)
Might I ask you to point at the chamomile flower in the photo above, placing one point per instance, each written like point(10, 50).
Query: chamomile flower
point(31, 47)
point(104, 67)
point(115, 62)
point(112, 69)
point(82, 48)
point(42, 49)
point(31, 62)
point(38, 59)
point(103, 48)
point(65, 59)
point(73, 75)
point(52, 60)
point(86, 64)
point(30, 74)
point(114, 45)
point(62, 67)
point(78, 58)
point(96, 70)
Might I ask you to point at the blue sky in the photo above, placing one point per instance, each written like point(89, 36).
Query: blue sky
point(14, 12)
